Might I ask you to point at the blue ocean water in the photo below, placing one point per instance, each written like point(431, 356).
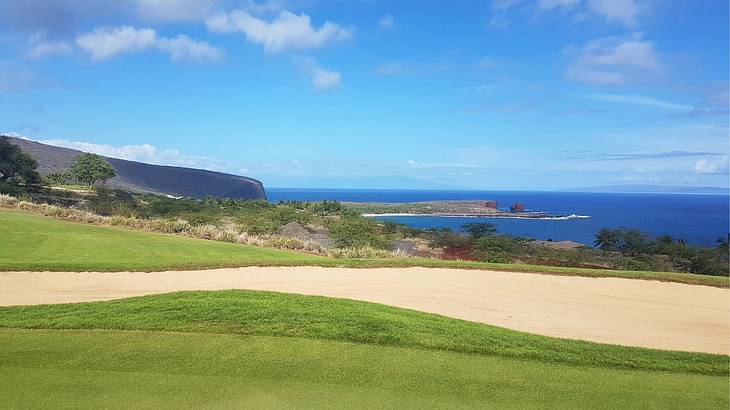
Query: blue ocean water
point(698, 219)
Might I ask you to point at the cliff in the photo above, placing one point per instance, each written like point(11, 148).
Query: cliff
point(141, 177)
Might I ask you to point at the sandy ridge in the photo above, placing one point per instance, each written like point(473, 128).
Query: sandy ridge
point(632, 312)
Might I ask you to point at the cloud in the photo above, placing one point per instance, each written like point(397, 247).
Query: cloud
point(182, 48)
point(639, 100)
point(322, 80)
point(625, 12)
point(715, 102)
point(553, 4)
point(386, 22)
point(505, 4)
point(287, 32)
point(427, 165)
point(712, 167)
point(176, 10)
point(108, 42)
point(498, 22)
point(57, 17)
point(621, 11)
point(149, 154)
point(41, 47)
point(611, 61)
point(593, 156)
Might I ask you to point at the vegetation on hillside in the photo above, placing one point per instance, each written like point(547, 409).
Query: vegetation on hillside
point(15, 165)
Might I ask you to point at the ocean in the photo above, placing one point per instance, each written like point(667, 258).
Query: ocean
point(698, 219)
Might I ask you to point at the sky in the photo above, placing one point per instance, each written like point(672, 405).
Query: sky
point(493, 95)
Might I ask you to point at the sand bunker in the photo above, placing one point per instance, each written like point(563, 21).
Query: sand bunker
point(621, 311)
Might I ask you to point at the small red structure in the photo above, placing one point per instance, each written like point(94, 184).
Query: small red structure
point(490, 204)
point(518, 207)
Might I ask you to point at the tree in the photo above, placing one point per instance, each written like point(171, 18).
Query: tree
point(91, 168)
point(607, 240)
point(16, 165)
point(479, 229)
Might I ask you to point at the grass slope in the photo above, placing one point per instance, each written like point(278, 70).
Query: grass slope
point(33, 242)
point(264, 349)
point(312, 317)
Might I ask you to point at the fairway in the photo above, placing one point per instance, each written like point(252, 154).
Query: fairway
point(264, 349)
point(34, 242)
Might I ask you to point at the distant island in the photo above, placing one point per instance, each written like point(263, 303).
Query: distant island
point(471, 208)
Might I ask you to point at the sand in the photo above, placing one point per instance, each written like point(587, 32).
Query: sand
point(631, 312)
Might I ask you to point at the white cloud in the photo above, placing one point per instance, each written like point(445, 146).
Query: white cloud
point(322, 80)
point(712, 167)
point(107, 42)
point(622, 11)
point(640, 100)
point(149, 154)
point(41, 47)
point(386, 22)
point(287, 32)
point(183, 48)
point(611, 60)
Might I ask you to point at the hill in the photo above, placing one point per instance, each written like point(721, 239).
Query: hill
point(141, 177)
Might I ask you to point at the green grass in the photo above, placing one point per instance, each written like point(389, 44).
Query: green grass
point(33, 242)
point(264, 349)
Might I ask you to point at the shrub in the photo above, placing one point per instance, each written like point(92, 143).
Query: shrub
point(440, 238)
point(498, 248)
point(478, 229)
point(356, 232)
point(7, 200)
point(365, 252)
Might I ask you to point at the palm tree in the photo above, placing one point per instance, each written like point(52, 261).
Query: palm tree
point(606, 240)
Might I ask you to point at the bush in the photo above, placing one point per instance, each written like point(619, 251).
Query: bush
point(499, 248)
point(356, 232)
point(440, 238)
point(479, 229)
point(10, 189)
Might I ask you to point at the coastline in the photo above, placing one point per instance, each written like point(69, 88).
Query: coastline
point(489, 215)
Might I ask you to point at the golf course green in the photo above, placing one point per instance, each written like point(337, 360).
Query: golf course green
point(264, 349)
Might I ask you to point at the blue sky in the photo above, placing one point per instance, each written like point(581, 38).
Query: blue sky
point(507, 94)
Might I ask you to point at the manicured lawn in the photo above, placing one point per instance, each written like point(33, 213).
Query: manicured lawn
point(264, 349)
point(34, 242)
